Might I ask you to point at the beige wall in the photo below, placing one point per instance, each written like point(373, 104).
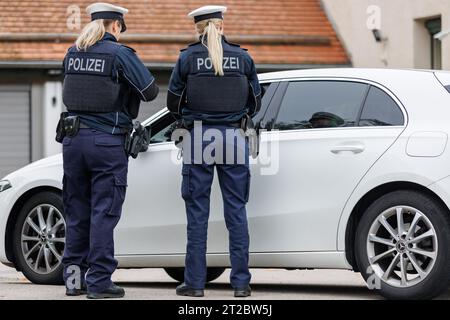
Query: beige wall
point(402, 23)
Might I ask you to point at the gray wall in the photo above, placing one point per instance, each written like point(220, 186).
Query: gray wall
point(15, 128)
point(402, 23)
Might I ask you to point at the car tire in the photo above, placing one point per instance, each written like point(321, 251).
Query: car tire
point(178, 273)
point(49, 269)
point(405, 263)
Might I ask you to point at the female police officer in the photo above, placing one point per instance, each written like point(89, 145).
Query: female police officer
point(215, 82)
point(102, 80)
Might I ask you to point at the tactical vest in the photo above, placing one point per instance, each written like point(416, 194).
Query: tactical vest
point(206, 92)
point(91, 83)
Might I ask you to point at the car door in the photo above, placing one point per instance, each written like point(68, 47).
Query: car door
point(153, 219)
point(154, 216)
point(328, 134)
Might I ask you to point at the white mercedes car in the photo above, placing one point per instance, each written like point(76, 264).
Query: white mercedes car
point(353, 173)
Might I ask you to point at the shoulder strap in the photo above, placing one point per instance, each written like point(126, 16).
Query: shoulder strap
point(190, 46)
point(235, 45)
point(128, 48)
point(194, 44)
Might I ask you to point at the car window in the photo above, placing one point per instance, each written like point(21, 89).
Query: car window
point(264, 88)
point(163, 135)
point(320, 104)
point(162, 129)
point(268, 89)
point(380, 110)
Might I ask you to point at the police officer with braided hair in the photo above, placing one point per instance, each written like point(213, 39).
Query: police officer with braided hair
point(103, 86)
point(215, 83)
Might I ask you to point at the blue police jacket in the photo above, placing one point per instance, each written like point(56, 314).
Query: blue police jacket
point(196, 94)
point(108, 74)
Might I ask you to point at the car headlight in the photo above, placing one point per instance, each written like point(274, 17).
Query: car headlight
point(4, 185)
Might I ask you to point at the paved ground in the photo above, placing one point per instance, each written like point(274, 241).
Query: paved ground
point(155, 284)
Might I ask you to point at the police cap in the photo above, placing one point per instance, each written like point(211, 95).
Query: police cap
point(208, 12)
point(102, 10)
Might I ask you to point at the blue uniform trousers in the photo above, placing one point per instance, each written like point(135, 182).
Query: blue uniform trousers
point(234, 180)
point(94, 187)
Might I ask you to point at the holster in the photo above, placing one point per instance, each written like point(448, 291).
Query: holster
point(252, 134)
point(60, 128)
point(72, 126)
point(137, 140)
point(67, 127)
point(182, 124)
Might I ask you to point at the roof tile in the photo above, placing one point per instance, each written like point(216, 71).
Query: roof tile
point(249, 17)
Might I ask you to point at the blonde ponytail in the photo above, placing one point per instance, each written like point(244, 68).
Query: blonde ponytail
point(210, 29)
point(92, 33)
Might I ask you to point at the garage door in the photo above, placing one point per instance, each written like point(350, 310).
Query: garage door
point(15, 128)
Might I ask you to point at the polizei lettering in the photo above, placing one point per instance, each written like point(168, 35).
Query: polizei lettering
point(229, 63)
point(86, 65)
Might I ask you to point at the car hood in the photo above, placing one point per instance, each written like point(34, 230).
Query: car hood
point(53, 161)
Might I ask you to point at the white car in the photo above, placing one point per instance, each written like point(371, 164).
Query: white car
point(354, 173)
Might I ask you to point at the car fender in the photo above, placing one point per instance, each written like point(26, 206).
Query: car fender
point(9, 198)
point(365, 188)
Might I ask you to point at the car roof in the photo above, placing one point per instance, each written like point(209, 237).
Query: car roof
point(358, 73)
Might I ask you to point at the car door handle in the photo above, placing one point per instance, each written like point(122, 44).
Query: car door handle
point(354, 148)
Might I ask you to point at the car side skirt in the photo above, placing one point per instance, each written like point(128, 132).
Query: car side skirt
point(295, 260)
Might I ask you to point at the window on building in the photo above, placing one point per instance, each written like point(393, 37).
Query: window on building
point(434, 26)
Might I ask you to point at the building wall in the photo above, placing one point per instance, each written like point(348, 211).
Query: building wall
point(402, 22)
point(52, 108)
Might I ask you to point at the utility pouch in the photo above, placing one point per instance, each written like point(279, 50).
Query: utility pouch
point(71, 126)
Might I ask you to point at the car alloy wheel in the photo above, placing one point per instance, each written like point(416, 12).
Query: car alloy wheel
point(402, 246)
point(43, 239)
